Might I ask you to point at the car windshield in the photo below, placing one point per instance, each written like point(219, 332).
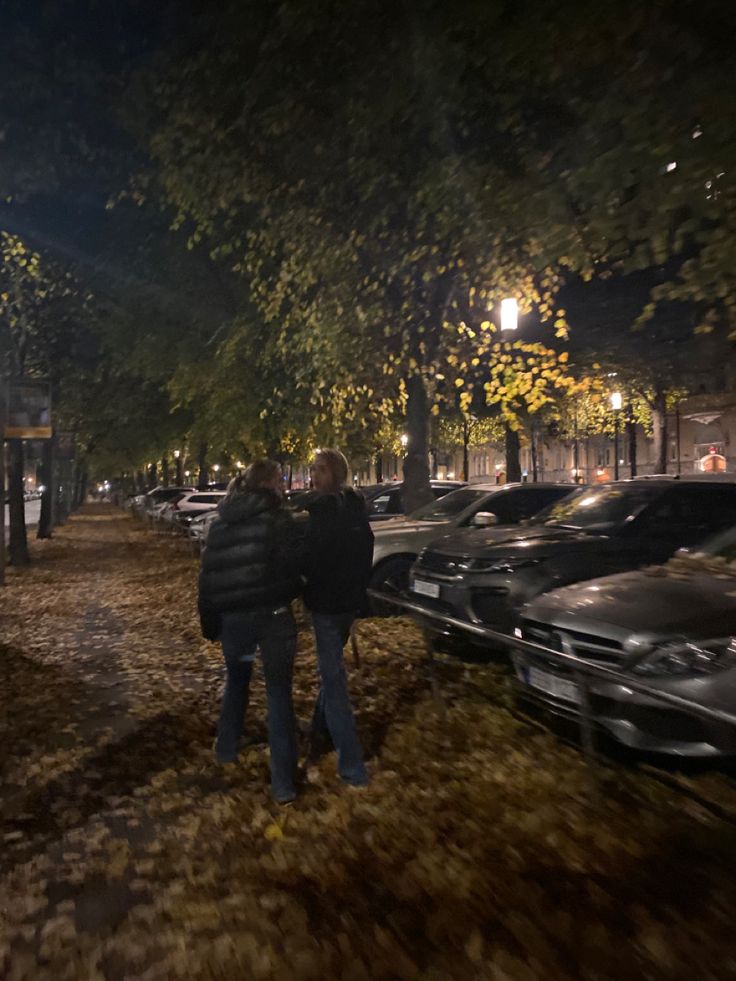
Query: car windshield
point(448, 506)
point(597, 507)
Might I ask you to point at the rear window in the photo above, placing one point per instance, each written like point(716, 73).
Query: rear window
point(449, 505)
point(600, 507)
point(204, 499)
point(167, 494)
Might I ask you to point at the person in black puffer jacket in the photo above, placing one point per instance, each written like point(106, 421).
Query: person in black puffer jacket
point(249, 575)
point(336, 564)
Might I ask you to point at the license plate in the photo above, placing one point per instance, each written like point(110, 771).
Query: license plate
point(552, 685)
point(431, 589)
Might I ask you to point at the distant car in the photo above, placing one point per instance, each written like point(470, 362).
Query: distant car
point(384, 500)
point(489, 576)
point(199, 526)
point(190, 505)
point(673, 627)
point(293, 497)
point(160, 495)
point(399, 540)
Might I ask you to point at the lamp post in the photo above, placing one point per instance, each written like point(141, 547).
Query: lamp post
point(616, 405)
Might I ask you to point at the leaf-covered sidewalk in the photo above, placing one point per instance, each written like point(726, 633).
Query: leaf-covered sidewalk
point(481, 850)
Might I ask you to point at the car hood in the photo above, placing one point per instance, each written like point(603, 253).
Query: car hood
point(529, 539)
point(654, 603)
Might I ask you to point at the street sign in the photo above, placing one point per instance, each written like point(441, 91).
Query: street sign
point(28, 414)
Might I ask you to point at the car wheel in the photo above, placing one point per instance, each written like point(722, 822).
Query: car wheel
point(392, 576)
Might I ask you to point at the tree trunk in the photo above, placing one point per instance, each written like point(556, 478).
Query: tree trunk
point(513, 461)
point(659, 433)
point(80, 487)
point(165, 471)
point(18, 541)
point(631, 434)
point(46, 518)
point(416, 490)
point(535, 463)
point(179, 471)
point(58, 509)
point(466, 455)
point(379, 468)
point(202, 461)
point(2, 490)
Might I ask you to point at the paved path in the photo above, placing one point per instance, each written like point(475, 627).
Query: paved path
point(483, 848)
point(33, 510)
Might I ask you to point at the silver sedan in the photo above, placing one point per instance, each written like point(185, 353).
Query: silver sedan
point(673, 626)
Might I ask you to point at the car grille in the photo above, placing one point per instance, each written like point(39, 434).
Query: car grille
point(445, 565)
point(599, 650)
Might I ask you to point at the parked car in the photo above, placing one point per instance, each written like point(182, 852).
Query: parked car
point(160, 495)
point(384, 500)
point(199, 526)
point(190, 505)
point(673, 627)
point(489, 576)
point(399, 540)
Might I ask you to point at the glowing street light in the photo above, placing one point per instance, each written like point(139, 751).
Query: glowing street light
point(216, 468)
point(177, 454)
point(509, 314)
point(404, 440)
point(616, 401)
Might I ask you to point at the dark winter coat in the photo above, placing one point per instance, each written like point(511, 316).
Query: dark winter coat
point(338, 553)
point(250, 560)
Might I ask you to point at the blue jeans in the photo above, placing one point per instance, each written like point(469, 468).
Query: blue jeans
point(275, 635)
point(333, 710)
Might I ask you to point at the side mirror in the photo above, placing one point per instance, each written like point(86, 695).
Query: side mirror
point(484, 519)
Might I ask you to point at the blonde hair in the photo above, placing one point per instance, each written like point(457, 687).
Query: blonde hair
point(258, 473)
point(337, 463)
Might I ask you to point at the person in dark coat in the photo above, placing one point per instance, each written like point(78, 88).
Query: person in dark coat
point(336, 565)
point(249, 575)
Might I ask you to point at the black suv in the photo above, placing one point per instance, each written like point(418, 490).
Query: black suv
point(487, 576)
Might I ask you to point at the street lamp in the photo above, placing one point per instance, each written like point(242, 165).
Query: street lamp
point(616, 404)
point(216, 468)
point(404, 440)
point(509, 314)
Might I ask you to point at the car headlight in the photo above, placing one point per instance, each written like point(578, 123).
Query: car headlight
point(498, 565)
point(680, 658)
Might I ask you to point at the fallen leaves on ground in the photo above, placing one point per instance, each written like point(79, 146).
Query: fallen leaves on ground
point(483, 848)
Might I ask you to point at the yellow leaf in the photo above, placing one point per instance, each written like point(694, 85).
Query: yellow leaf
point(273, 832)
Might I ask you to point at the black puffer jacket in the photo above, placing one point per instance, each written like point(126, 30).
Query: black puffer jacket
point(250, 560)
point(338, 552)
